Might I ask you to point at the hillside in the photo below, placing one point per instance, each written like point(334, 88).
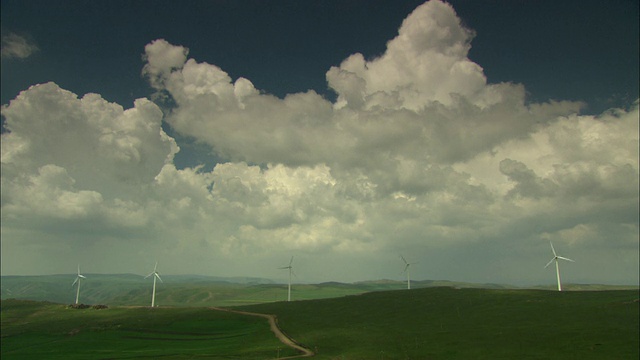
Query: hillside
point(448, 323)
point(130, 289)
point(183, 290)
point(40, 330)
point(430, 323)
point(199, 290)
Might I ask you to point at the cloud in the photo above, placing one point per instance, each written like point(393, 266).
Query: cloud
point(79, 164)
point(162, 58)
point(422, 94)
point(419, 154)
point(17, 47)
point(426, 62)
point(102, 146)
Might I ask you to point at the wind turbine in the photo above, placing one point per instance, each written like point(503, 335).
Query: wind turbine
point(290, 272)
point(77, 280)
point(555, 258)
point(155, 275)
point(406, 269)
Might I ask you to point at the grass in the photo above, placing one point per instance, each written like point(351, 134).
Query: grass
point(37, 330)
point(429, 323)
point(445, 323)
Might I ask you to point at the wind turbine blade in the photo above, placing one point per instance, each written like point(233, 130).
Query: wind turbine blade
point(552, 249)
point(150, 274)
point(403, 259)
point(74, 282)
point(82, 276)
point(78, 269)
point(158, 276)
point(405, 268)
point(549, 263)
point(564, 258)
point(155, 267)
point(291, 261)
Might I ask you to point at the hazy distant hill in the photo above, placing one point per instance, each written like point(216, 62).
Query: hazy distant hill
point(200, 290)
point(119, 289)
point(416, 284)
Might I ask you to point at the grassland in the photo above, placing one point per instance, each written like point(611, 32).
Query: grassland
point(37, 330)
point(427, 323)
point(447, 323)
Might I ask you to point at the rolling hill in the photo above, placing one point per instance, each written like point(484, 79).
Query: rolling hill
point(450, 323)
point(428, 323)
point(41, 330)
point(199, 290)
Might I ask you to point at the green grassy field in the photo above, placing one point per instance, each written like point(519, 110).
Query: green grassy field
point(429, 323)
point(446, 323)
point(37, 330)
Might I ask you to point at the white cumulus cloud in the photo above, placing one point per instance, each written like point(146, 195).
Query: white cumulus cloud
point(418, 154)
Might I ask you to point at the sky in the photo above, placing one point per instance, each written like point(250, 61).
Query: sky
point(223, 137)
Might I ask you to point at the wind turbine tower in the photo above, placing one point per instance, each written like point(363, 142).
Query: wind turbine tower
point(555, 258)
point(77, 280)
point(406, 270)
point(155, 275)
point(290, 267)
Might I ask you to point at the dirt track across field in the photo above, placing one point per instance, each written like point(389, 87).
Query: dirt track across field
point(273, 323)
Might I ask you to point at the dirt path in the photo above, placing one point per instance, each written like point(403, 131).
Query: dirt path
point(273, 323)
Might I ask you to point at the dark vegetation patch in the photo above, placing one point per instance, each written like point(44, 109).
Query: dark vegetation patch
point(85, 306)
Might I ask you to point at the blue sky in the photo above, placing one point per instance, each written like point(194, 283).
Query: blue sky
point(483, 131)
point(569, 50)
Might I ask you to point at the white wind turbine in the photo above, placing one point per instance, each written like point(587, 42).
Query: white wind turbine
point(290, 267)
point(555, 258)
point(77, 280)
point(406, 270)
point(155, 275)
